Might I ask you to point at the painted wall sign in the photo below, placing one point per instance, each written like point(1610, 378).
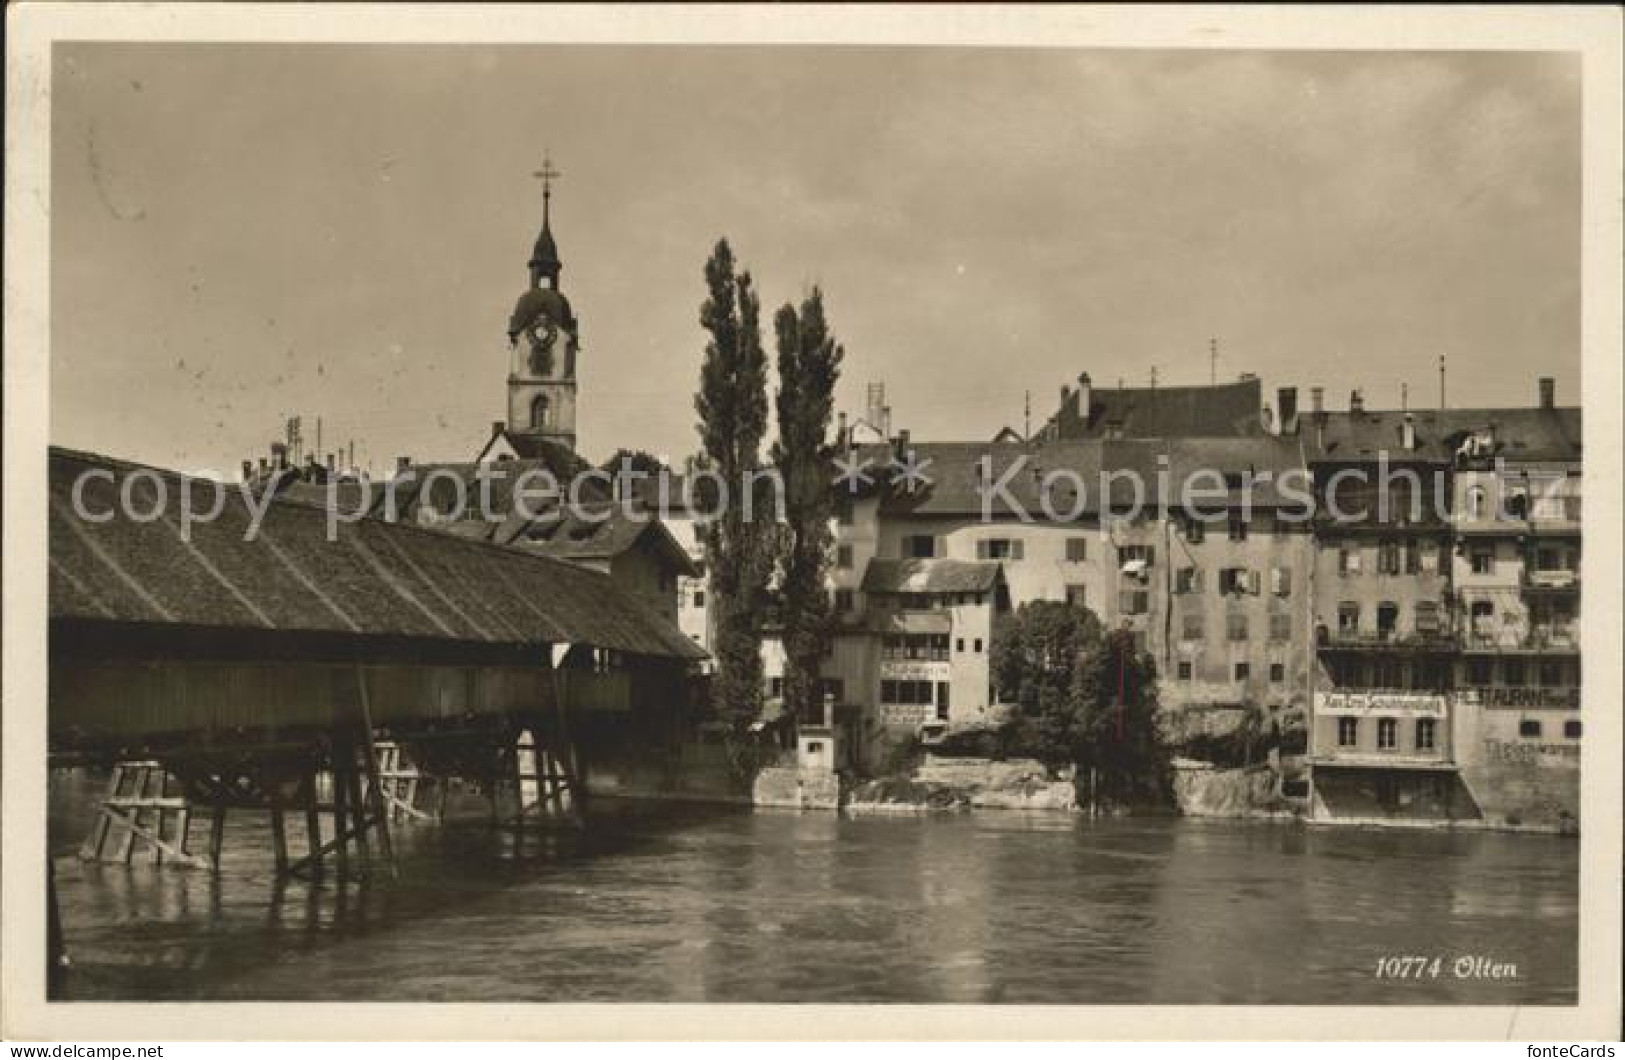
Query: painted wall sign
point(1401, 704)
point(915, 671)
point(1560, 697)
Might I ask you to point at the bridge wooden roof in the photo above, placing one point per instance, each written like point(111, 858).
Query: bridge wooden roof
point(373, 579)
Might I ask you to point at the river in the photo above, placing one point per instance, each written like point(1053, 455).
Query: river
point(727, 905)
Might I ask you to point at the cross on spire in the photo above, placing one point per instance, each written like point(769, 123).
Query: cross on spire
point(547, 175)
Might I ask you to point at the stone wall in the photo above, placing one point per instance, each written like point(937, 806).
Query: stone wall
point(788, 787)
point(981, 783)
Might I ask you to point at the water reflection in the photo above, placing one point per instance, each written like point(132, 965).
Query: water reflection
point(708, 905)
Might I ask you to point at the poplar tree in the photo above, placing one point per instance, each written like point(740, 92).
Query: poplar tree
point(809, 364)
point(732, 407)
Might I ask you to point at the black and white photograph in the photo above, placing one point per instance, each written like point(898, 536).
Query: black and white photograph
point(967, 509)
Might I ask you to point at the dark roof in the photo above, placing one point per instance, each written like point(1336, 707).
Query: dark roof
point(372, 579)
point(544, 479)
point(1217, 411)
point(1521, 434)
point(597, 532)
point(1193, 467)
point(929, 576)
point(539, 302)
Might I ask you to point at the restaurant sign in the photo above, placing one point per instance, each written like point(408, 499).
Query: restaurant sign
point(1557, 697)
point(1398, 704)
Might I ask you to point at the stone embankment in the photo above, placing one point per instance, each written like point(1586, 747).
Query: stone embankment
point(966, 783)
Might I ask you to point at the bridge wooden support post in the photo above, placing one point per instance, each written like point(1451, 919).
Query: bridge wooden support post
point(309, 789)
point(143, 803)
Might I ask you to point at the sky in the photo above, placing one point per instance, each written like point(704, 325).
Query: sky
point(244, 232)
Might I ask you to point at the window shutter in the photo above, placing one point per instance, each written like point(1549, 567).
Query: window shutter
point(1015, 549)
point(1254, 582)
point(981, 550)
point(1150, 556)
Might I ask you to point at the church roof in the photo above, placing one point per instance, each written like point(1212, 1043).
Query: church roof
point(1218, 411)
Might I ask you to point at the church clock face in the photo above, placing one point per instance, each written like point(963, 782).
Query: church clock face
point(543, 334)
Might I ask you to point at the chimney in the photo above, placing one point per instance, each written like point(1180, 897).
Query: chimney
point(332, 463)
point(1407, 432)
point(248, 470)
point(1356, 401)
point(496, 427)
point(1286, 404)
point(902, 445)
point(279, 455)
point(840, 429)
point(885, 421)
point(1548, 392)
point(265, 466)
point(1086, 393)
point(1317, 400)
point(402, 464)
point(1266, 419)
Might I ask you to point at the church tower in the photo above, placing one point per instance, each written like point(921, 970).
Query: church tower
point(544, 338)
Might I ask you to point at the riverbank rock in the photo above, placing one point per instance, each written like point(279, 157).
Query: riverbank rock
point(942, 783)
point(1204, 790)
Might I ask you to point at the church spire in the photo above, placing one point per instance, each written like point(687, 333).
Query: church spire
point(544, 256)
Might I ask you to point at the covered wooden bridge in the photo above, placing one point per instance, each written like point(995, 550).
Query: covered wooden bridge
point(257, 659)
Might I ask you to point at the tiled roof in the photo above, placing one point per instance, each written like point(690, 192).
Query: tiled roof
point(1217, 411)
point(929, 576)
point(373, 579)
point(599, 532)
point(1534, 434)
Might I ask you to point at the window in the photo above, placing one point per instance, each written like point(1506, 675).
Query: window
point(1077, 595)
point(1348, 560)
point(1348, 732)
point(998, 548)
point(1529, 728)
point(1195, 530)
point(1478, 671)
point(1427, 618)
point(1387, 734)
point(832, 688)
point(538, 413)
point(1483, 615)
point(1187, 580)
point(1413, 557)
point(906, 693)
point(1551, 672)
point(1130, 553)
point(843, 557)
point(844, 601)
point(1191, 626)
point(1077, 549)
point(1184, 670)
point(1134, 601)
point(1483, 561)
point(1237, 527)
point(919, 546)
point(1238, 580)
point(1475, 502)
point(1387, 620)
point(1513, 673)
point(978, 643)
point(1281, 581)
point(699, 597)
point(1426, 733)
point(942, 701)
point(1348, 617)
point(1571, 729)
point(1281, 627)
point(1388, 556)
point(1277, 673)
point(775, 687)
point(1243, 671)
point(1236, 627)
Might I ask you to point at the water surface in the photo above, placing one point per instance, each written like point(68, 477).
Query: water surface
point(661, 904)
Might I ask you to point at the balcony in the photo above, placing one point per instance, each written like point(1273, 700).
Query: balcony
point(1551, 581)
point(1384, 640)
point(1564, 637)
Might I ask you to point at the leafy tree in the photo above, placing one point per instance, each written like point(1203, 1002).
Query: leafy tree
point(1082, 695)
point(809, 364)
point(646, 464)
point(732, 408)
